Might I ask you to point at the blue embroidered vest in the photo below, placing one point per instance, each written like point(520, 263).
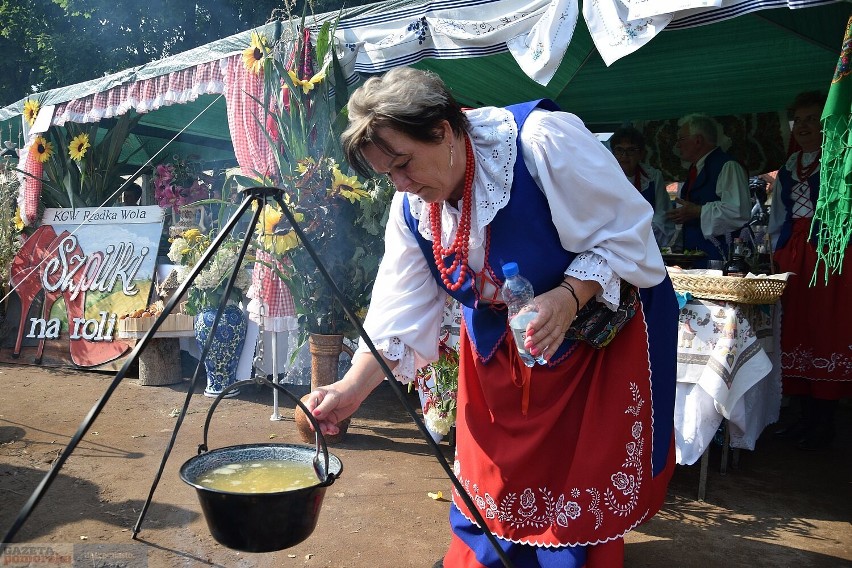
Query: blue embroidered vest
point(785, 178)
point(522, 232)
point(650, 194)
point(704, 191)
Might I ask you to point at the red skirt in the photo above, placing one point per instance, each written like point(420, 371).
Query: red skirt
point(816, 358)
point(575, 469)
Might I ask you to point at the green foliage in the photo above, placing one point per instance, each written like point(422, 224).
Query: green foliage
point(440, 399)
point(9, 233)
point(94, 180)
point(341, 218)
point(341, 236)
point(54, 43)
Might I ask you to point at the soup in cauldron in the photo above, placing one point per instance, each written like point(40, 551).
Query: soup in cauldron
point(260, 476)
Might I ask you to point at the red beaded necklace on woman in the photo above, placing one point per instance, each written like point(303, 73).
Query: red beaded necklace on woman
point(805, 173)
point(460, 244)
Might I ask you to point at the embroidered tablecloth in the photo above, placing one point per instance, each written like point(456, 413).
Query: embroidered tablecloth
point(728, 367)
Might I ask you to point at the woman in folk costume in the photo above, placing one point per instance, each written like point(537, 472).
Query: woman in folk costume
point(628, 147)
point(815, 362)
point(564, 458)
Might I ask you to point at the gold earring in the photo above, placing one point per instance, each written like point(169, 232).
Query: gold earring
point(451, 156)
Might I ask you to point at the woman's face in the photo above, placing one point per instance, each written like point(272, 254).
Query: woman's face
point(628, 155)
point(420, 168)
point(807, 128)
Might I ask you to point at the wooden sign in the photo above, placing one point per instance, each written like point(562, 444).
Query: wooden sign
point(71, 281)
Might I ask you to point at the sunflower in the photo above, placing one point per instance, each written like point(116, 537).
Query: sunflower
point(31, 108)
point(254, 54)
point(279, 244)
point(79, 145)
point(347, 186)
point(306, 84)
point(271, 217)
point(276, 243)
point(42, 148)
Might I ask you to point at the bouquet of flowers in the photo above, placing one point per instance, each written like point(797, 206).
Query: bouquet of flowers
point(438, 382)
point(209, 287)
point(348, 245)
point(342, 217)
point(179, 183)
point(72, 166)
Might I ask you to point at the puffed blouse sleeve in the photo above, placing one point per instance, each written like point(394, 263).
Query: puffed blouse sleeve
point(594, 206)
point(407, 305)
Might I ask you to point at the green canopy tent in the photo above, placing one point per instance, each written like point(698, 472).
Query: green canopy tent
point(753, 62)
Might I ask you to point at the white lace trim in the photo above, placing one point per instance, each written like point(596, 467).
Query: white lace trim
point(395, 350)
point(807, 159)
point(592, 266)
point(277, 324)
point(494, 135)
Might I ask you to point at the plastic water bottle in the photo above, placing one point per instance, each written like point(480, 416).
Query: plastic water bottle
point(518, 294)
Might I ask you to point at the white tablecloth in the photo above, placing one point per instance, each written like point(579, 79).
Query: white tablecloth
point(728, 367)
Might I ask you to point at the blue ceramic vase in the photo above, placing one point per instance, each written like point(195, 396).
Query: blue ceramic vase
point(221, 361)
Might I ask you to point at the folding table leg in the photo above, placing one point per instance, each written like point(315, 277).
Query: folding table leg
point(702, 477)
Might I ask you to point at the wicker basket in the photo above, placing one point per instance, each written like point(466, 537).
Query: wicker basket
point(730, 288)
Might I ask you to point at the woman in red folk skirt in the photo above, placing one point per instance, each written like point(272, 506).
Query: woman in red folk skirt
point(816, 360)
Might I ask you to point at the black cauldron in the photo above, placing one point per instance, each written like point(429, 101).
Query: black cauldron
point(261, 522)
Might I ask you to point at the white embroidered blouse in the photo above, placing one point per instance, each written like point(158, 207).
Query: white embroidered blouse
point(593, 205)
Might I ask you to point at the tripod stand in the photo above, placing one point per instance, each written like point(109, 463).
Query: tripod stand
point(257, 197)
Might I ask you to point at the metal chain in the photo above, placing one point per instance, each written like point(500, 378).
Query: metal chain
point(257, 362)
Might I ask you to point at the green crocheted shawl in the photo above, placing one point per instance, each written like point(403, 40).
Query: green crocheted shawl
point(834, 207)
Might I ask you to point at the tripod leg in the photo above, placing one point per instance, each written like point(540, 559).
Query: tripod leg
point(226, 230)
point(189, 392)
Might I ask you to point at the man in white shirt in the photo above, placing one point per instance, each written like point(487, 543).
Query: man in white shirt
point(714, 201)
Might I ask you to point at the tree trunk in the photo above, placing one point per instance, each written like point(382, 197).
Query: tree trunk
point(159, 363)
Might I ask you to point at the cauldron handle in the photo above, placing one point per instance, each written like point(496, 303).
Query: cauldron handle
point(325, 477)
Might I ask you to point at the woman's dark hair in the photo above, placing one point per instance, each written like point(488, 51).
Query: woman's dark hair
point(410, 101)
point(627, 134)
point(131, 194)
point(806, 99)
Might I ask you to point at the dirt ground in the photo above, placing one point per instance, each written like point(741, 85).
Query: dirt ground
point(781, 507)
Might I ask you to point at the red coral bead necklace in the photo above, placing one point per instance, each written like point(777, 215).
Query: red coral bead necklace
point(461, 243)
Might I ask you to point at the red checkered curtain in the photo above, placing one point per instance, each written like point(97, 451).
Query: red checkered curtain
point(245, 117)
point(30, 192)
point(271, 302)
point(143, 95)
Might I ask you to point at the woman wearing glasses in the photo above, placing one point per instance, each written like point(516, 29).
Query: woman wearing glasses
point(628, 146)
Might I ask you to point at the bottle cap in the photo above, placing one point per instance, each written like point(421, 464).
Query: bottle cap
point(510, 269)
